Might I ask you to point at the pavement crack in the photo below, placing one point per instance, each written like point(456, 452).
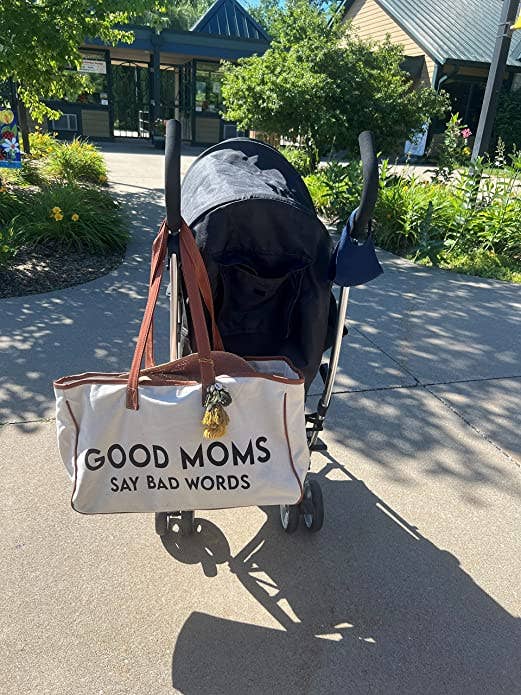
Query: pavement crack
point(27, 422)
point(402, 367)
point(472, 427)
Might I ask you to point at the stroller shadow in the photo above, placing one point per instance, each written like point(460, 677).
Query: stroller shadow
point(367, 606)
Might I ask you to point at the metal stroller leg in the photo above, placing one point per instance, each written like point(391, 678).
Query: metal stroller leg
point(183, 520)
point(325, 399)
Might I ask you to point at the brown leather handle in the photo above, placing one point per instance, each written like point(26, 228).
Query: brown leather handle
point(206, 292)
point(193, 273)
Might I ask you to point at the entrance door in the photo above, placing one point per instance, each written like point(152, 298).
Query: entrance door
point(131, 99)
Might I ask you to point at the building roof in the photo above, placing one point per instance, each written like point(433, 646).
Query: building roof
point(451, 29)
point(229, 18)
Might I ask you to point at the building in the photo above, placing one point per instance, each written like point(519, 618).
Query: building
point(171, 74)
point(447, 43)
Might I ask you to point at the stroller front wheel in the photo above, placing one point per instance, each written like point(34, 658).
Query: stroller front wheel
point(313, 506)
point(289, 517)
point(162, 523)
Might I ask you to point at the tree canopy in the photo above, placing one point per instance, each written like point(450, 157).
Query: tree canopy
point(322, 84)
point(40, 40)
point(180, 15)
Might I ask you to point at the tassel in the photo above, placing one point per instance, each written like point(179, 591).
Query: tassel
point(215, 418)
point(207, 418)
point(219, 416)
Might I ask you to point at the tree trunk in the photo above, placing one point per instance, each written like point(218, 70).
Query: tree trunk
point(23, 122)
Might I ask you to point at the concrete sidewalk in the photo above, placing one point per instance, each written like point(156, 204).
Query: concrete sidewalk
point(413, 583)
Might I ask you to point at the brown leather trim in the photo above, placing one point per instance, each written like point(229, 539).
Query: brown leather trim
point(77, 429)
point(289, 451)
point(181, 372)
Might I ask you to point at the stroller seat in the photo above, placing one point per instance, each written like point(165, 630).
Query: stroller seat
point(266, 252)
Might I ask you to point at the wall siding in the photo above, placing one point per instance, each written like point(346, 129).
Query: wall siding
point(372, 22)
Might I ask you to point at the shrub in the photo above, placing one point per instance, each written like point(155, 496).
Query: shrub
point(454, 150)
point(507, 125)
point(73, 217)
point(76, 161)
point(299, 158)
point(482, 263)
point(410, 211)
point(8, 244)
point(42, 144)
point(10, 205)
point(335, 189)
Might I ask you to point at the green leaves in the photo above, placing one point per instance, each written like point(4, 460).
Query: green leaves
point(321, 84)
point(40, 42)
point(71, 216)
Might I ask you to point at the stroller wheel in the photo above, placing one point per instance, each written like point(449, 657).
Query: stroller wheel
point(186, 525)
point(313, 506)
point(289, 517)
point(162, 523)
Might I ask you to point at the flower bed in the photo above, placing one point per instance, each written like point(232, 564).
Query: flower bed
point(55, 214)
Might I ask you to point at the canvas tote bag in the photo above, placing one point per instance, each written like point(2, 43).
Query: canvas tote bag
point(209, 430)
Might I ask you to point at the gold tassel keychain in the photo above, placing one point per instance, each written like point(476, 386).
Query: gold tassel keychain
point(215, 418)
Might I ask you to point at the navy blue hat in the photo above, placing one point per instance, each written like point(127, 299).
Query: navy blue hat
point(354, 263)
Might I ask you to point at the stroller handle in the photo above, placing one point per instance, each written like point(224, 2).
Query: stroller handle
point(364, 212)
point(173, 175)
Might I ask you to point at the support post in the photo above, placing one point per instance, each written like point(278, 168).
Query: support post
point(155, 95)
point(495, 79)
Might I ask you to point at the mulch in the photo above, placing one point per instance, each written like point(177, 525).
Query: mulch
point(46, 268)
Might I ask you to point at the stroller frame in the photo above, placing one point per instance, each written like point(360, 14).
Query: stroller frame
point(311, 507)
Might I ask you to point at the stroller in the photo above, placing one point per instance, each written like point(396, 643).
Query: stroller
point(271, 266)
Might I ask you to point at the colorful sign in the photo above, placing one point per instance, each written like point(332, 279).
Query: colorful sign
point(10, 155)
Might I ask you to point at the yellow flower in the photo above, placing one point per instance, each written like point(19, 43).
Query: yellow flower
point(102, 178)
point(466, 151)
point(56, 210)
point(75, 217)
point(3, 189)
point(58, 216)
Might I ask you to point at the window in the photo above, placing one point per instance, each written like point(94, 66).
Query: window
point(67, 121)
point(208, 80)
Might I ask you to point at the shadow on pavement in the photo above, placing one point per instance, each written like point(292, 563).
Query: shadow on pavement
point(439, 325)
point(366, 606)
point(91, 327)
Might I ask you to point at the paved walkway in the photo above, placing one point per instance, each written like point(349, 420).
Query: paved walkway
point(411, 587)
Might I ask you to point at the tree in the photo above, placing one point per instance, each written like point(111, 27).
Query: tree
point(181, 15)
point(321, 84)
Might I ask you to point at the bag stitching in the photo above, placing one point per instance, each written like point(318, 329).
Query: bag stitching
point(77, 436)
point(301, 488)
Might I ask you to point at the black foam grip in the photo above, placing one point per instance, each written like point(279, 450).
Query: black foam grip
point(370, 187)
point(173, 175)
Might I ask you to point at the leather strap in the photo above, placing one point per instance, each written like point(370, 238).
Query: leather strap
point(193, 272)
point(206, 292)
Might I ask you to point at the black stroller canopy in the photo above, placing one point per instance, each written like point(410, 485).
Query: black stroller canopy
point(240, 169)
point(266, 252)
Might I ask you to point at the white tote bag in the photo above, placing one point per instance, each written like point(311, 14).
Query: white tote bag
point(136, 442)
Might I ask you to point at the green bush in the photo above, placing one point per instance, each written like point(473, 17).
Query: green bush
point(507, 124)
point(10, 204)
point(482, 263)
point(454, 150)
point(335, 189)
point(76, 161)
point(470, 223)
point(409, 212)
point(73, 217)
point(8, 244)
point(42, 144)
point(299, 158)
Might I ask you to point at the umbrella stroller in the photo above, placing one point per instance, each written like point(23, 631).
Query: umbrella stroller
point(271, 265)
